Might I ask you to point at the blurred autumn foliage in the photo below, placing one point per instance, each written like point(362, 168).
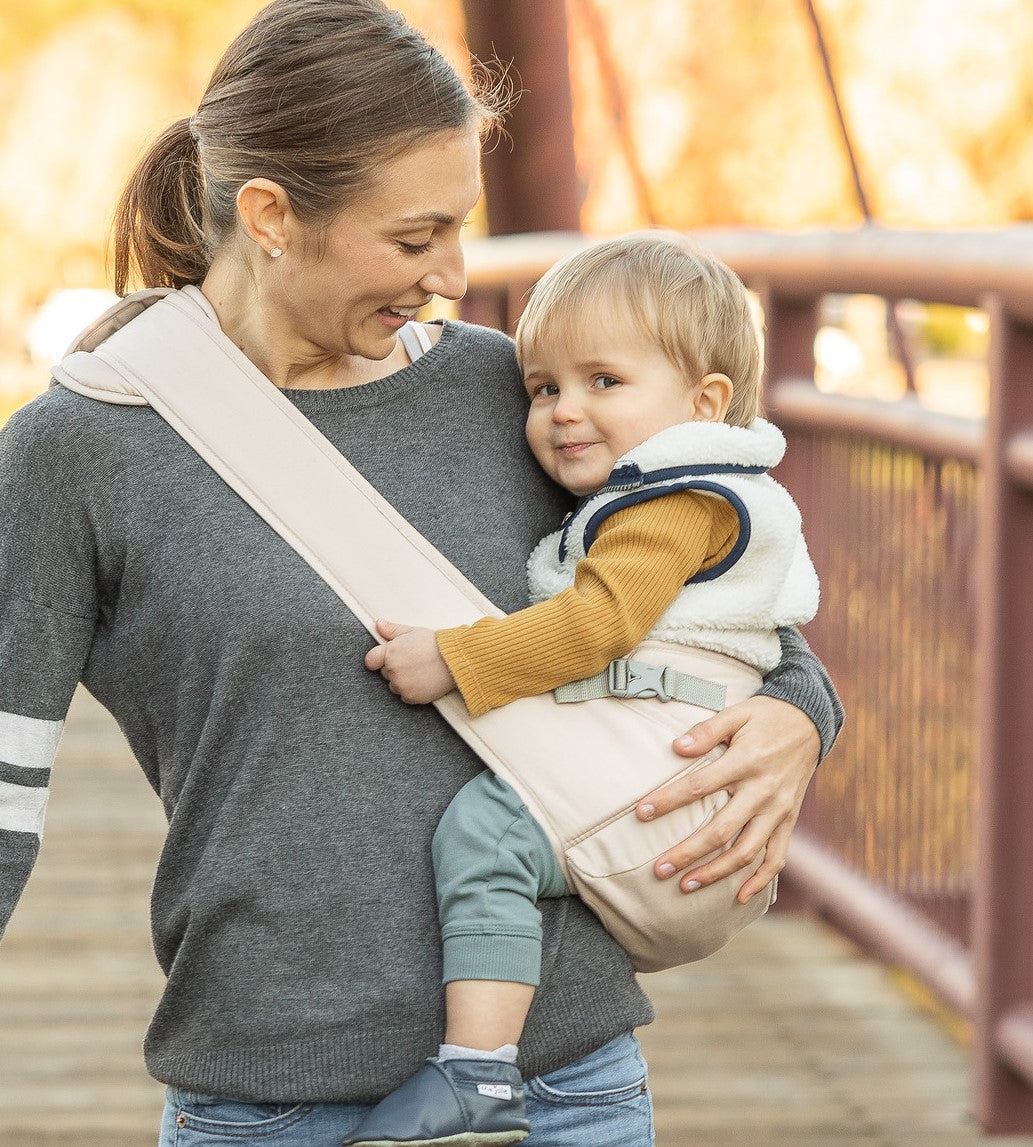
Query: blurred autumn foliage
point(687, 112)
point(731, 121)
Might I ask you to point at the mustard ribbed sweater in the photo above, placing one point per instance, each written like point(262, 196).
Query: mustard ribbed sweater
point(640, 560)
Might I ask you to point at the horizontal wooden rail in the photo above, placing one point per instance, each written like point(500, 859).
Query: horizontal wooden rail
point(959, 267)
point(903, 423)
point(899, 935)
point(880, 921)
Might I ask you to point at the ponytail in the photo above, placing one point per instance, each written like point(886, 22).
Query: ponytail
point(158, 227)
point(315, 95)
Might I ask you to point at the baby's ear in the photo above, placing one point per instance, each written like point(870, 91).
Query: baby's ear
point(712, 398)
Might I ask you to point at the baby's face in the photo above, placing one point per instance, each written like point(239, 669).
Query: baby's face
point(595, 395)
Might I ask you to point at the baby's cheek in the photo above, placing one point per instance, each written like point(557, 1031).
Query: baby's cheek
point(537, 439)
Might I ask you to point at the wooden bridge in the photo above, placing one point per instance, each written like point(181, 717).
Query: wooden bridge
point(789, 1038)
point(915, 840)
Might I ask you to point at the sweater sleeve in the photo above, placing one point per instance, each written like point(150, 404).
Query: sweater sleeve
point(47, 612)
point(801, 679)
point(639, 561)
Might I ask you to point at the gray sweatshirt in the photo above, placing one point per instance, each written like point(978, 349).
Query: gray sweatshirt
point(293, 909)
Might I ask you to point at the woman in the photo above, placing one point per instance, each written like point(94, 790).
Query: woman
point(317, 198)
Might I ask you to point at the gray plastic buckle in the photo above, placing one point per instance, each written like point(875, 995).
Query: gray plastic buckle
point(626, 678)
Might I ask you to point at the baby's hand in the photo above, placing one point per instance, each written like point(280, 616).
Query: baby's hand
point(410, 663)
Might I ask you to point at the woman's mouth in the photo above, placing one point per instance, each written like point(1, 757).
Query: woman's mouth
point(397, 317)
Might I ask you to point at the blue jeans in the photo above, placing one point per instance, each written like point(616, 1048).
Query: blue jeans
point(600, 1101)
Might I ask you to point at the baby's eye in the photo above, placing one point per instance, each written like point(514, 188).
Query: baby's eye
point(605, 381)
point(545, 390)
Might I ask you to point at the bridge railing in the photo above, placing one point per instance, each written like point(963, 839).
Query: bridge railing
point(917, 836)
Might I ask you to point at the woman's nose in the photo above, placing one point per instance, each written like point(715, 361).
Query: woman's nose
point(447, 277)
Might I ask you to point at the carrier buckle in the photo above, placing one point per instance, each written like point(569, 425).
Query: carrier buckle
point(627, 678)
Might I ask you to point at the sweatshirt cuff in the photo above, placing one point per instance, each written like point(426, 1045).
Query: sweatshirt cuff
point(801, 680)
point(450, 646)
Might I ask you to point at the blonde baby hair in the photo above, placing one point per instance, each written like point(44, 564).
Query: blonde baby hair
point(680, 297)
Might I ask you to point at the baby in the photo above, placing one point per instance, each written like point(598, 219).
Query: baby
point(641, 360)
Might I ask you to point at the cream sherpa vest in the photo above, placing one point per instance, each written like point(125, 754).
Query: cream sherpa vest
point(767, 579)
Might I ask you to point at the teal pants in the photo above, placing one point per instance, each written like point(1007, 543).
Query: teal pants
point(492, 862)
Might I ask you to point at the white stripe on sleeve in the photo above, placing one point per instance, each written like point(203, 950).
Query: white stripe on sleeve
point(22, 808)
point(28, 742)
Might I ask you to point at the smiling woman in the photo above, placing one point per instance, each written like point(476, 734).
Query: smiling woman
point(310, 206)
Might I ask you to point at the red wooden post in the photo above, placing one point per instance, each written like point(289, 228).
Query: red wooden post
point(790, 325)
point(530, 183)
point(1003, 909)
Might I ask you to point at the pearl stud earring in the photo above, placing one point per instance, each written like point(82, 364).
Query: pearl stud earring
point(276, 252)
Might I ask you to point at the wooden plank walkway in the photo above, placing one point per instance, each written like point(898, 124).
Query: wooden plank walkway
point(788, 1038)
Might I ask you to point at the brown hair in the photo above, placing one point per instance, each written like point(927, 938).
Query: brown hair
point(314, 95)
point(683, 299)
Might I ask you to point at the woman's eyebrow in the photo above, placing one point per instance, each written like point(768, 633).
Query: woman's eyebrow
point(427, 217)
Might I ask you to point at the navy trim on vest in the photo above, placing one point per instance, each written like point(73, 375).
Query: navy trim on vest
point(741, 542)
point(572, 517)
point(669, 472)
point(648, 494)
point(630, 477)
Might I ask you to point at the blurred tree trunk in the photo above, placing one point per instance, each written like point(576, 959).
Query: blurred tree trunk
point(530, 181)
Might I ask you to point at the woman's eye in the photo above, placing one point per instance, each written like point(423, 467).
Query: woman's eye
point(415, 248)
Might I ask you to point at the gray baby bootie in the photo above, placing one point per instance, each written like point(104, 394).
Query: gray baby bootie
point(450, 1103)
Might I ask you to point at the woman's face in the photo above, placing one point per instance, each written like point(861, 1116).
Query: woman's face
point(348, 289)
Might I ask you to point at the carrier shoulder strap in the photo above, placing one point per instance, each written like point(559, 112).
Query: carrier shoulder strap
point(174, 356)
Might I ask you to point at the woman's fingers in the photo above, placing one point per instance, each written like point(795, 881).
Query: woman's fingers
point(772, 753)
point(757, 842)
point(754, 822)
point(714, 731)
point(710, 777)
point(737, 843)
point(775, 856)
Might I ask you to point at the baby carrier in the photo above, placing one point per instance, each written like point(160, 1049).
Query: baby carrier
point(581, 768)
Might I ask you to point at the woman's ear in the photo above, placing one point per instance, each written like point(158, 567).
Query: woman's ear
point(712, 398)
point(265, 211)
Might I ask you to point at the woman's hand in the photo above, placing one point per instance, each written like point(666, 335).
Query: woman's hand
point(410, 663)
point(772, 753)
